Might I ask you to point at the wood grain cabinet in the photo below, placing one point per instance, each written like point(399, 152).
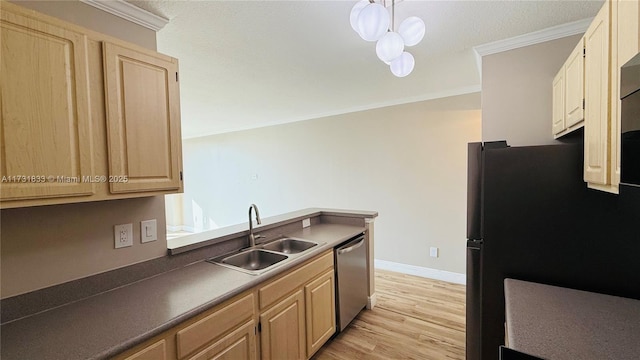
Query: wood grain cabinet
point(625, 44)
point(596, 136)
point(282, 329)
point(320, 311)
point(143, 119)
point(227, 331)
point(155, 351)
point(238, 345)
point(214, 326)
point(84, 117)
point(558, 122)
point(298, 310)
point(45, 124)
point(612, 38)
point(568, 94)
point(288, 317)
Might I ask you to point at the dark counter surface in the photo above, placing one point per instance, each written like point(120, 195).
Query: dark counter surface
point(558, 323)
point(106, 324)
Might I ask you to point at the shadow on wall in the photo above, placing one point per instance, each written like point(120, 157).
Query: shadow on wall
point(175, 214)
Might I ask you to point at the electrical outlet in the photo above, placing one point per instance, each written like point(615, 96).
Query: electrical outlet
point(148, 231)
point(306, 223)
point(123, 235)
point(433, 252)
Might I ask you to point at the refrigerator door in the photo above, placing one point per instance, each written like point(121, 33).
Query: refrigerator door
point(474, 300)
point(532, 195)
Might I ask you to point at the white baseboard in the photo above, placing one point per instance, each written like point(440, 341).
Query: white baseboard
point(372, 301)
point(421, 271)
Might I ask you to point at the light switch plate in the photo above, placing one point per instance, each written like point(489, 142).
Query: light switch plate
point(433, 252)
point(148, 230)
point(123, 235)
point(306, 223)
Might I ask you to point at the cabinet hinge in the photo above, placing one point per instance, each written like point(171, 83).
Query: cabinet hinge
point(180, 175)
point(584, 52)
point(176, 76)
point(259, 327)
point(582, 104)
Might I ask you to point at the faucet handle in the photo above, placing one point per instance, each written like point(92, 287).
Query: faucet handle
point(258, 236)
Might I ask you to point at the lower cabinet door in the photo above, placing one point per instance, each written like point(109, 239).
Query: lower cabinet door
point(240, 344)
point(157, 351)
point(320, 311)
point(282, 333)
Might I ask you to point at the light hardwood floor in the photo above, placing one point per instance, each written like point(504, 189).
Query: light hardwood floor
point(415, 318)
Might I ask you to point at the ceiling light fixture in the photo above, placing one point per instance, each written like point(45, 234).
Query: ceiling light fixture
point(371, 21)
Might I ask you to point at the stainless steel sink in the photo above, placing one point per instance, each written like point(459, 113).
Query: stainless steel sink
point(255, 261)
point(290, 245)
point(252, 260)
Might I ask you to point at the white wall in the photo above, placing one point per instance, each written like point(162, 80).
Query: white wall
point(408, 162)
point(516, 92)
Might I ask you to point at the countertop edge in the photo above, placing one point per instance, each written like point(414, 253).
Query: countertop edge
point(211, 237)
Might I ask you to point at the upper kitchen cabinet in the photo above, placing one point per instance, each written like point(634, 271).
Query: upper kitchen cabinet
point(44, 101)
point(85, 117)
point(568, 94)
point(143, 119)
point(610, 41)
point(558, 123)
point(596, 136)
point(625, 44)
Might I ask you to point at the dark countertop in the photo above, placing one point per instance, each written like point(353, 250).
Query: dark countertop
point(109, 323)
point(558, 323)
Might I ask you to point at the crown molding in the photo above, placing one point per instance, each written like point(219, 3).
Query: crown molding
point(536, 37)
point(129, 12)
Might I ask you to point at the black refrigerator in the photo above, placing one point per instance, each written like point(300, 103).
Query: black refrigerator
point(530, 216)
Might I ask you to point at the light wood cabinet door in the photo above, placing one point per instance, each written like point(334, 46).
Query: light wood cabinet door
point(157, 351)
point(320, 308)
point(282, 334)
point(211, 327)
point(45, 124)
point(558, 124)
point(625, 43)
point(238, 345)
point(574, 86)
point(596, 84)
point(143, 120)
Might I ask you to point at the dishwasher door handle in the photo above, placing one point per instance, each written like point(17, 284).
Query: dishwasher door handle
point(351, 248)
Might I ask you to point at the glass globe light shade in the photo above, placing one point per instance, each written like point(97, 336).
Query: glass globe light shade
point(402, 65)
point(373, 22)
point(412, 30)
point(355, 11)
point(390, 46)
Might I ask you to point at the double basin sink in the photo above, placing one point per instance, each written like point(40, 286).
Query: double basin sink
point(265, 256)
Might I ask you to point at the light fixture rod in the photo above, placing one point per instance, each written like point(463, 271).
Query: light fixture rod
point(393, 15)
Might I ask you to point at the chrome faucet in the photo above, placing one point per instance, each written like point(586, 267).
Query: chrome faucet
point(252, 238)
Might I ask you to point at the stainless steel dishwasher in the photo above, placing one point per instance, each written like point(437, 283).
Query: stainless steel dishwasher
point(351, 279)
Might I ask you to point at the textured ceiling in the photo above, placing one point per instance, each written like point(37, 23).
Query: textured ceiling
point(247, 64)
